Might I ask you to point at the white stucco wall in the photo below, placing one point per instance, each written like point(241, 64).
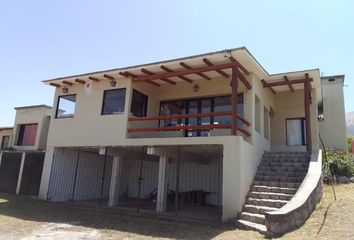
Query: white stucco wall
point(333, 128)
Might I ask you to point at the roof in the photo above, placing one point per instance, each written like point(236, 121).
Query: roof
point(6, 128)
point(33, 106)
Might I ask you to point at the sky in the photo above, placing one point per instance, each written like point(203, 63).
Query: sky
point(41, 40)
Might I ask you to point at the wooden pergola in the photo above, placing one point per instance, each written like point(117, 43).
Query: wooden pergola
point(306, 81)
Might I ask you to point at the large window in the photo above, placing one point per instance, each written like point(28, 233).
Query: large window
point(27, 134)
point(139, 104)
point(5, 143)
point(113, 101)
point(196, 106)
point(295, 132)
point(66, 106)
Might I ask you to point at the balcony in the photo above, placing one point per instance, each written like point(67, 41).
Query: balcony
point(192, 125)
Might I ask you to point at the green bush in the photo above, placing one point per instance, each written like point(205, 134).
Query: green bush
point(338, 163)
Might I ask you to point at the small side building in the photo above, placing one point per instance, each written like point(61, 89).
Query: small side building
point(31, 127)
point(332, 113)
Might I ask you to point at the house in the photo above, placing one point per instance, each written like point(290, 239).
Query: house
point(22, 150)
point(185, 137)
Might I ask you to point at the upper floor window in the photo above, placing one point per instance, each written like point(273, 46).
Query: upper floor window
point(27, 134)
point(113, 101)
point(139, 104)
point(66, 106)
point(5, 143)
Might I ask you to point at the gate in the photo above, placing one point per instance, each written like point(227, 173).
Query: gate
point(9, 171)
point(32, 173)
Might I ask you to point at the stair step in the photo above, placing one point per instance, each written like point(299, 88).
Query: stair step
point(283, 164)
point(278, 179)
point(266, 202)
point(277, 184)
point(282, 169)
point(252, 217)
point(281, 173)
point(285, 159)
point(258, 209)
point(247, 225)
point(260, 188)
point(270, 195)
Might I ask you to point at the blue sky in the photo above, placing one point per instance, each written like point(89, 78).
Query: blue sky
point(46, 39)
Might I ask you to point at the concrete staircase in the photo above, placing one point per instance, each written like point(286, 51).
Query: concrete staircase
point(278, 177)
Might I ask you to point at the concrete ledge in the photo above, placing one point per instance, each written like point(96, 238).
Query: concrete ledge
point(298, 209)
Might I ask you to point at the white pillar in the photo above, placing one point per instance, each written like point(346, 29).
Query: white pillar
point(115, 181)
point(162, 187)
point(20, 173)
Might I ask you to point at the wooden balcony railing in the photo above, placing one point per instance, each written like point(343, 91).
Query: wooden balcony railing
point(185, 127)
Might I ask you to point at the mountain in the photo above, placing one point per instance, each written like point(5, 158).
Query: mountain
point(350, 123)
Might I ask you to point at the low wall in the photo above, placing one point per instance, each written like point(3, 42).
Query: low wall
point(300, 207)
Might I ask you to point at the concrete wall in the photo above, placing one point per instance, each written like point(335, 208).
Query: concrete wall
point(6, 132)
point(333, 128)
point(39, 115)
point(291, 105)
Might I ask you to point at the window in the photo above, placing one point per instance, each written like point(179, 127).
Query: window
point(113, 101)
point(5, 143)
point(257, 114)
point(139, 104)
point(27, 134)
point(266, 123)
point(197, 106)
point(295, 132)
point(66, 106)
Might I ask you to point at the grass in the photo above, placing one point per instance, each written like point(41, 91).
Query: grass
point(26, 218)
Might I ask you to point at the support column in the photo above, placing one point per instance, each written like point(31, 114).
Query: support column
point(114, 190)
point(234, 86)
point(307, 100)
point(20, 173)
point(162, 187)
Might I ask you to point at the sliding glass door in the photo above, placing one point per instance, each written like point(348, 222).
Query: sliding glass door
point(197, 106)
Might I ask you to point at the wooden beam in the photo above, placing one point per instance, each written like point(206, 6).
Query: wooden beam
point(232, 59)
point(94, 79)
point(243, 79)
point(183, 72)
point(181, 77)
point(190, 68)
point(289, 84)
point(307, 92)
point(282, 83)
point(163, 79)
point(234, 86)
point(68, 83)
point(221, 72)
point(108, 77)
point(55, 84)
point(270, 88)
point(80, 81)
point(132, 75)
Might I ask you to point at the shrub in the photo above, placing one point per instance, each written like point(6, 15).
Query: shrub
point(338, 163)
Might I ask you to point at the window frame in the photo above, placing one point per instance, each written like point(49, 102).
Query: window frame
point(20, 135)
point(58, 103)
point(303, 131)
point(146, 103)
point(2, 142)
point(103, 101)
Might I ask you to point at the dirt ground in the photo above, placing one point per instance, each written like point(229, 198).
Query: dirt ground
point(27, 219)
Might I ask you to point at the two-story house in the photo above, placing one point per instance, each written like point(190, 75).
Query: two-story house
point(182, 137)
